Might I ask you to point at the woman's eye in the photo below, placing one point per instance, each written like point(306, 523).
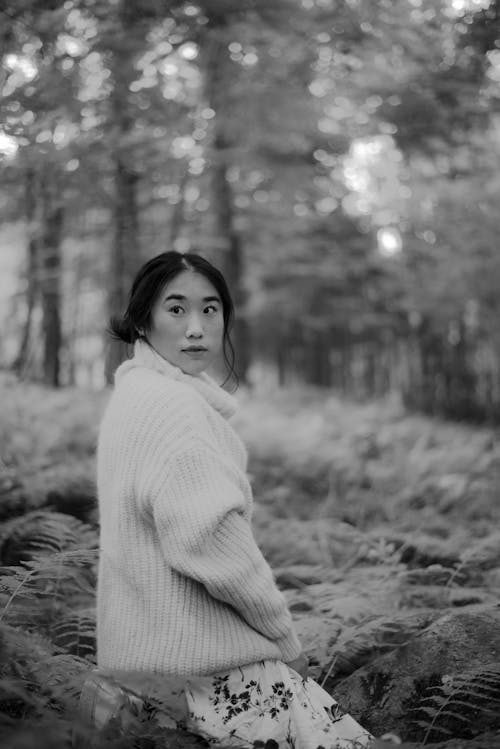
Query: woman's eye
point(176, 309)
point(211, 308)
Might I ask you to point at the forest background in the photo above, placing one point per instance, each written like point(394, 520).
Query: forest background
point(339, 161)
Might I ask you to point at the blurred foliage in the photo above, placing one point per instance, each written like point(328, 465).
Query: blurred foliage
point(338, 160)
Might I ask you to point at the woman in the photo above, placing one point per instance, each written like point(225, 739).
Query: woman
point(183, 589)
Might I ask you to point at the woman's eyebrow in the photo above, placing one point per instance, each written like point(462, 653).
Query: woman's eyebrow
point(182, 298)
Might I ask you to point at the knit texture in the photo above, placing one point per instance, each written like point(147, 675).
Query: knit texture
point(182, 587)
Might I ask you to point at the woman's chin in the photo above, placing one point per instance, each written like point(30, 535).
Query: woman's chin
point(193, 368)
point(194, 363)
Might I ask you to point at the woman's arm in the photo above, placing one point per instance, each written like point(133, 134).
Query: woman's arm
point(198, 511)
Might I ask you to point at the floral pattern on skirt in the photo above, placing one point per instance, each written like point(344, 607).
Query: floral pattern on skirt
point(268, 700)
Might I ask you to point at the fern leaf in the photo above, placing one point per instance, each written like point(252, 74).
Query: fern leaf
point(75, 633)
point(425, 726)
point(463, 703)
point(17, 691)
point(436, 699)
point(61, 677)
point(358, 645)
point(454, 715)
point(61, 576)
point(42, 531)
point(427, 709)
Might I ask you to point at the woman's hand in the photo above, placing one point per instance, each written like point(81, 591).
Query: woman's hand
point(300, 664)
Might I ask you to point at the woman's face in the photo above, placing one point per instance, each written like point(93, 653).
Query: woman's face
point(187, 323)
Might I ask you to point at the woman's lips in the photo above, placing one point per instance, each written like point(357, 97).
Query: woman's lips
point(194, 351)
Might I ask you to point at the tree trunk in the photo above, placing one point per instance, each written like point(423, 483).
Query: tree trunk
point(123, 255)
point(21, 361)
point(281, 365)
point(125, 248)
point(318, 359)
point(52, 211)
point(461, 401)
point(229, 241)
point(370, 372)
point(232, 259)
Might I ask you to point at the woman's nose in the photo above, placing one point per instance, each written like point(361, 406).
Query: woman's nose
point(194, 328)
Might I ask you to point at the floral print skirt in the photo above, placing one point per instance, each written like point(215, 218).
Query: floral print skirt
point(268, 700)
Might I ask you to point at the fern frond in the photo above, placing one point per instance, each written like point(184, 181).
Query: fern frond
point(423, 724)
point(22, 648)
point(75, 633)
point(35, 680)
point(165, 693)
point(17, 697)
point(77, 565)
point(359, 644)
point(60, 677)
point(42, 531)
point(462, 704)
point(61, 577)
point(14, 581)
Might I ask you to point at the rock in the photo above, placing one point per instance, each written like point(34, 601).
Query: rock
point(318, 635)
point(400, 691)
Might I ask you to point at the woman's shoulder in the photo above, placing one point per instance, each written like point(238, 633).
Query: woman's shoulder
point(153, 393)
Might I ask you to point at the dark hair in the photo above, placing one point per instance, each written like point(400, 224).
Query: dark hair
point(151, 278)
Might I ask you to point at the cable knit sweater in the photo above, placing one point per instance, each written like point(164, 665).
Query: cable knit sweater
point(182, 586)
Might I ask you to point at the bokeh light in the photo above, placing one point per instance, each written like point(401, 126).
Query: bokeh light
point(389, 241)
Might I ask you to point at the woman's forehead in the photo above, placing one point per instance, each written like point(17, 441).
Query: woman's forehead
point(190, 285)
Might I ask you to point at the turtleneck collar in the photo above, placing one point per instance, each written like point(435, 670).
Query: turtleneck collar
point(146, 356)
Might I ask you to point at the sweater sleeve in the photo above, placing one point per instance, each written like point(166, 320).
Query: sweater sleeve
point(198, 509)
